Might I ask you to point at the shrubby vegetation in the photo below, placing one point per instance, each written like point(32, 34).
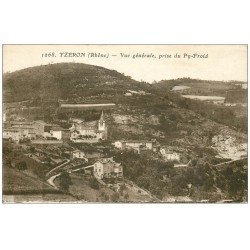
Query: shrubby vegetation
point(201, 180)
point(64, 181)
point(94, 183)
point(236, 96)
point(218, 113)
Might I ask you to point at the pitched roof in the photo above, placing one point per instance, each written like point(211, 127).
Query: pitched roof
point(108, 161)
point(57, 128)
point(77, 151)
point(86, 126)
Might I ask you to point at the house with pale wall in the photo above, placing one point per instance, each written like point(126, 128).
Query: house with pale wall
point(107, 167)
point(78, 154)
point(32, 130)
point(169, 155)
point(18, 132)
point(48, 131)
point(42, 128)
point(136, 145)
point(13, 134)
point(25, 129)
point(59, 133)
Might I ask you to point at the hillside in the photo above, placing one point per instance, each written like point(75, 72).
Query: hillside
point(65, 81)
point(81, 83)
point(232, 90)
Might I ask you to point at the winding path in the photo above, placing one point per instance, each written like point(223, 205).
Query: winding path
point(58, 167)
point(51, 180)
point(228, 162)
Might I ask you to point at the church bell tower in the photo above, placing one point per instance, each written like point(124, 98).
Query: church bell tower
point(102, 123)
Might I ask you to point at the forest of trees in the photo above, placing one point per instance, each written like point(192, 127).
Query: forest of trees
point(199, 181)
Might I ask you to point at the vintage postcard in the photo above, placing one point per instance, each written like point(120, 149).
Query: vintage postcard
point(125, 124)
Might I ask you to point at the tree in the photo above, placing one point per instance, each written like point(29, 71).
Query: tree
point(32, 150)
point(126, 196)
point(65, 181)
point(8, 162)
point(143, 182)
point(94, 183)
point(115, 197)
point(194, 162)
point(21, 165)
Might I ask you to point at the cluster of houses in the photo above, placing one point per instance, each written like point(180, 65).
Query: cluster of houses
point(89, 132)
point(142, 145)
point(136, 145)
point(18, 131)
point(101, 167)
point(79, 132)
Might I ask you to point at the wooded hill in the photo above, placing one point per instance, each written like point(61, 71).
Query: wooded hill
point(66, 81)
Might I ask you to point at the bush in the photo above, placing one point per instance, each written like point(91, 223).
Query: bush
point(126, 196)
point(65, 181)
point(94, 183)
point(143, 182)
point(21, 165)
point(115, 197)
point(106, 197)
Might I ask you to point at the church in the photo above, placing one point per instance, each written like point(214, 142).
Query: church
point(96, 130)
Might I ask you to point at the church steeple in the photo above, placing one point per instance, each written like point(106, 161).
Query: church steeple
point(102, 117)
point(101, 123)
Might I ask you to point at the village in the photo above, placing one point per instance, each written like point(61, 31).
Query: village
point(82, 148)
point(87, 147)
point(98, 135)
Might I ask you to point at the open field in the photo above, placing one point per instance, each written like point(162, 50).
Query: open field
point(101, 106)
point(181, 87)
point(20, 187)
point(204, 98)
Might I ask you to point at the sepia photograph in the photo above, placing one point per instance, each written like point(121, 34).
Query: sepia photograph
point(124, 123)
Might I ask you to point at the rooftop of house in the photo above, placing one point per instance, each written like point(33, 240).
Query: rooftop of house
point(26, 127)
point(85, 126)
point(93, 155)
point(167, 151)
point(77, 151)
point(105, 160)
point(108, 161)
point(75, 131)
point(44, 123)
point(11, 130)
point(20, 123)
point(136, 141)
point(57, 128)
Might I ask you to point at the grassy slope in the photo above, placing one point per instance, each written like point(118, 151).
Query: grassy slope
point(17, 181)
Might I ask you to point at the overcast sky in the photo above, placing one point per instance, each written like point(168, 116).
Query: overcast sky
point(224, 62)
